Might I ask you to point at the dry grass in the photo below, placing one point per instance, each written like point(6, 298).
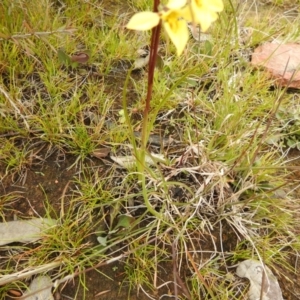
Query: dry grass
point(222, 192)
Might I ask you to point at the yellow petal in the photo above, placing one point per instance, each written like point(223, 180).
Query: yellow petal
point(143, 21)
point(187, 13)
point(176, 4)
point(178, 32)
point(210, 5)
point(215, 5)
point(205, 19)
point(201, 13)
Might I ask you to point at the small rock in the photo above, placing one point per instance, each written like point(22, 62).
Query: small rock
point(282, 61)
point(253, 270)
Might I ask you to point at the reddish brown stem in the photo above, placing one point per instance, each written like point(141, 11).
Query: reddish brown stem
point(153, 57)
point(141, 153)
point(152, 62)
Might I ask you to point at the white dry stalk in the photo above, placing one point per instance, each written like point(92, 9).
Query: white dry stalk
point(17, 110)
point(39, 34)
point(5, 279)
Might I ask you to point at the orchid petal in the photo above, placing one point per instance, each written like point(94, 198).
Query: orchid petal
point(215, 5)
point(212, 5)
point(178, 32)
point(203, 13)
point(143, 21)
point(176, 4)
point(205, 18)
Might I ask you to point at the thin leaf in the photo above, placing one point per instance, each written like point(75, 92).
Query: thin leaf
point(125, 221)
point(102, 240)
point(63, 57)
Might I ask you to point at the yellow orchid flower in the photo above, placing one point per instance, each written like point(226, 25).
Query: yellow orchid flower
point(203, 12)
point(173, 22)
point(175, 16)
point(147, 20)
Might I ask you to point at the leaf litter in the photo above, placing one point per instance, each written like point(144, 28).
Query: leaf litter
point(263, 284)
point(24, 231)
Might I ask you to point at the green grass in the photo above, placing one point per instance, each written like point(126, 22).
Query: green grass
point(226, 168)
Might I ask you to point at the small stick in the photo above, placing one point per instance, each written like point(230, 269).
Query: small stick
point(38, 33)
point(177, 278)
point(174, 270)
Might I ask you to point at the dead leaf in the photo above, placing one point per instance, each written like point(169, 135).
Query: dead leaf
point(260, 277)
point(24, 231)
point(129, 161)
point(39, 289)
point(141, 62)
point(101, 152)
point(80, 57)
point(282, 61)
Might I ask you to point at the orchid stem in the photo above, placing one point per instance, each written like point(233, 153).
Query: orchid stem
point(145, 125)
